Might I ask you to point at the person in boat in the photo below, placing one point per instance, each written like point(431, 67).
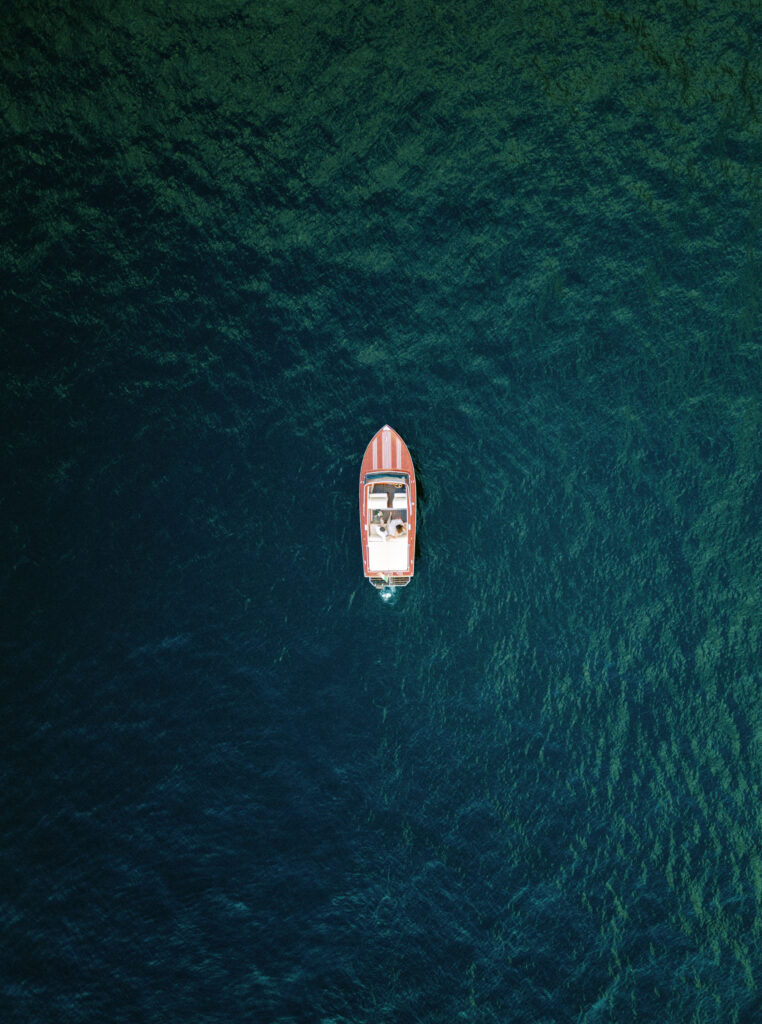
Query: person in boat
point(397, 528)
point(380, 530)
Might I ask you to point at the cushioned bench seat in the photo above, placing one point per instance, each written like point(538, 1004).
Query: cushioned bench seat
point(387, 555)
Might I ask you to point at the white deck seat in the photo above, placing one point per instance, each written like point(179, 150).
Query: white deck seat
point(388, 555)
point(376, 501)
point(400, 500)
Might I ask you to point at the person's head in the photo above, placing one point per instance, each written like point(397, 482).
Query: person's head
point(400, 528)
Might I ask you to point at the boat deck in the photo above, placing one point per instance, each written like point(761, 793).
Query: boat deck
point(388, 555)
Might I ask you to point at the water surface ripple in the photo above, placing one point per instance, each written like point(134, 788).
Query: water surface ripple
point(240, 238)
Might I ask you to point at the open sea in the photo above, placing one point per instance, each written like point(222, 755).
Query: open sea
point(238, 238)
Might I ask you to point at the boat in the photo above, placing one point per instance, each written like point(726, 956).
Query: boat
point(387, 511)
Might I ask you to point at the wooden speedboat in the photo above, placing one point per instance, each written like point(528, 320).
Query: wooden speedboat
point(387, 510)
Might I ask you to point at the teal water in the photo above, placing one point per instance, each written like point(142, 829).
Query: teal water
point(239, 238)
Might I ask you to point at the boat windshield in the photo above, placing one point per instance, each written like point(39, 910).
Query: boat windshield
point(391, 477)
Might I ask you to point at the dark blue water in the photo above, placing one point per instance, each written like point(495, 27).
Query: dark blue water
point(238, 239)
